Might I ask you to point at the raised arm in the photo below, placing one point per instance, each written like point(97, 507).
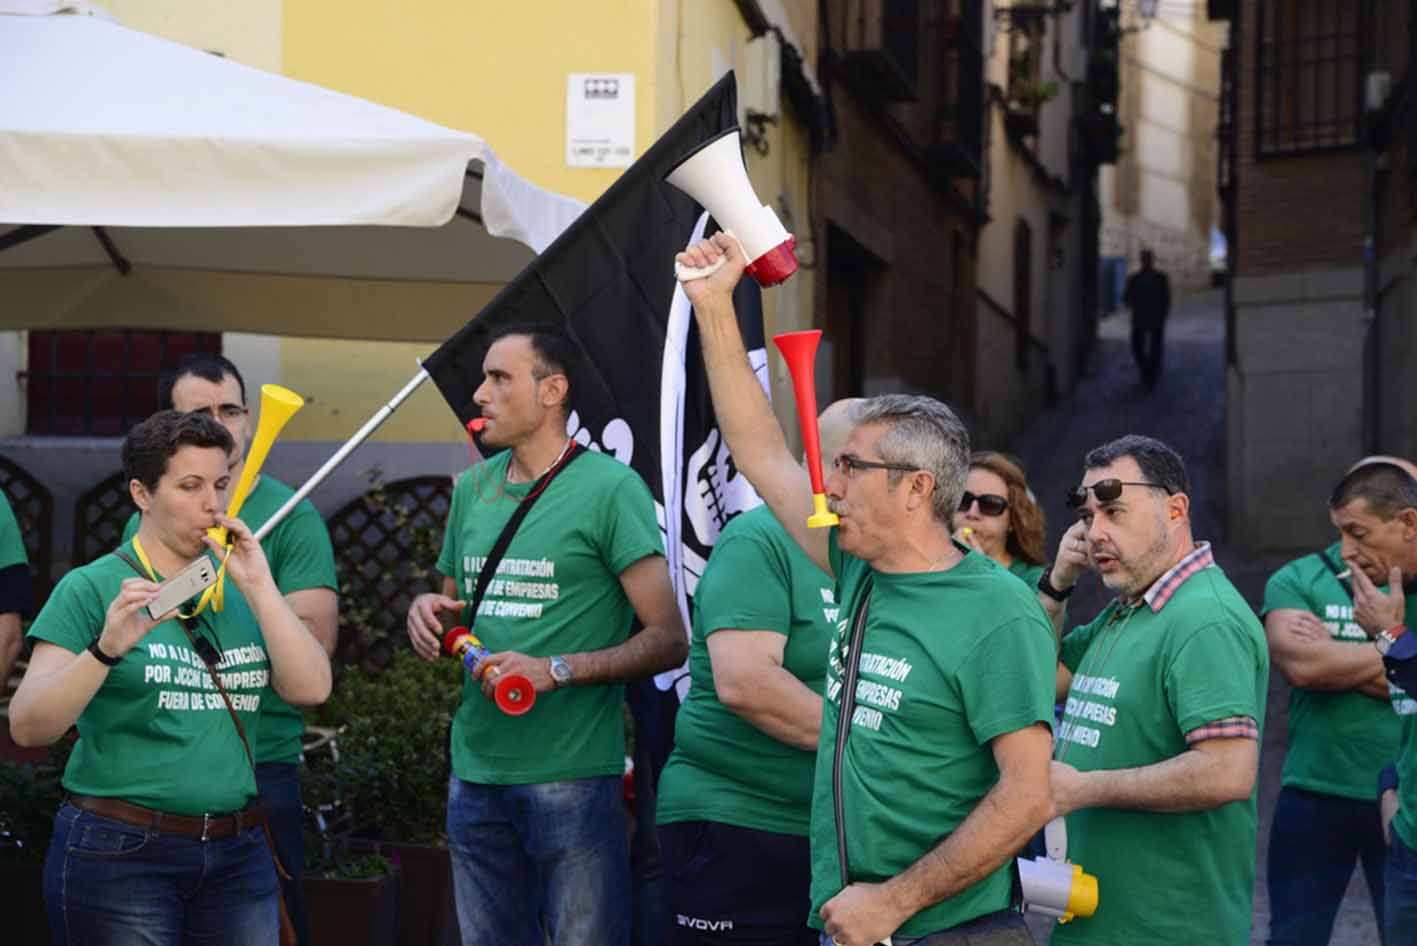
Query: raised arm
point(300, 667)
point(744, 415)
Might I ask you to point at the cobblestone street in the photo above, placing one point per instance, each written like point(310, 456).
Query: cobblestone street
point(1187, 410)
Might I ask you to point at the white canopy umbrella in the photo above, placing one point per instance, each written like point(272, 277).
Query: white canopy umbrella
point(150, 185)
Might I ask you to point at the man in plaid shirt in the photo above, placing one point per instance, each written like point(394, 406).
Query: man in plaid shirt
point(1155, 760)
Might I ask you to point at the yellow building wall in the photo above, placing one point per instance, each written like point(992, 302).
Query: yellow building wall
point(248, 32)
point(499, 70)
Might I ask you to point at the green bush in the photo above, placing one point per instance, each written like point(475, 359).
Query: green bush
point(30, 794)
point(388, 779)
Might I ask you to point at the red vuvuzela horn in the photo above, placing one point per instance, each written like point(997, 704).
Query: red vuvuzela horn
point(513, 693)
point(799, 349)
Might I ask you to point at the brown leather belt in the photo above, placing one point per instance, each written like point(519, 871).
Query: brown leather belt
point(198, 827)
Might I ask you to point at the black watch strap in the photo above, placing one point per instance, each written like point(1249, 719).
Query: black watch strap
point(101, 657)
point(1046, 586)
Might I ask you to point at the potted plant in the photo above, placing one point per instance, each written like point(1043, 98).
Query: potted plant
point(352, 898)
point(392, 768)
point(30, 794)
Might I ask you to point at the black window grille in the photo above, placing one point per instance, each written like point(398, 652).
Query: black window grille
point(1309, 63)
point(99, 383)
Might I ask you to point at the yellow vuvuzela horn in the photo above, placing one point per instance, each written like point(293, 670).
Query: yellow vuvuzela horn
point(278, 405)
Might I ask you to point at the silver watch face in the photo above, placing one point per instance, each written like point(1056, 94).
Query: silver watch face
point(1383, 642)
point(560, 671)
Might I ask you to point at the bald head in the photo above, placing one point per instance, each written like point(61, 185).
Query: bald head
point(835, 425)
point(1399, 462)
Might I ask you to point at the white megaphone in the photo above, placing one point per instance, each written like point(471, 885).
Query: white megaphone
point(1052, 885)
point(714, 176)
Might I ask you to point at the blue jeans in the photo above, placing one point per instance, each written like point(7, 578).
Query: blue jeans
point(279, 784)
point(555, 853)
point(112, 884)
point(1400, 907)
point(1314, 844)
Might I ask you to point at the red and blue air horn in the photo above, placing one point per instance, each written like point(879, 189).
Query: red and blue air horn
point(513, 693)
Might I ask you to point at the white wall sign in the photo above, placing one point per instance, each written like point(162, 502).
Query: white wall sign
point(600, 120)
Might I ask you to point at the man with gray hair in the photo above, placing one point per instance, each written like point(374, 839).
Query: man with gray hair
point(1158, 748)
point(932, 759)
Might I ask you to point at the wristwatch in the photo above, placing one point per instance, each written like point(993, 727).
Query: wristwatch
point(100, 656)
point(1385, 639)
point(1046, 586)
point(560, 672)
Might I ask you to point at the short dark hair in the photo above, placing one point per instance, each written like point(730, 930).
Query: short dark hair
point(150, 444)
point(554, 349)
point(1159, 463)
point(209, 366)
point(1387, 487)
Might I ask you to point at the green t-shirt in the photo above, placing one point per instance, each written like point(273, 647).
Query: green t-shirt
point(1338, 739)
point(301, 557)
point(1405, 706)
point(12, 543)
point(723, 768)
point(558, 592)
point(1028, 573)
point(949, 661)
point(157, 733)
point(1141, 681)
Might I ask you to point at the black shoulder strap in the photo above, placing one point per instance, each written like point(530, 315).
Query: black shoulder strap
point(845, 708)
point(499, 548)
point(1329, 563)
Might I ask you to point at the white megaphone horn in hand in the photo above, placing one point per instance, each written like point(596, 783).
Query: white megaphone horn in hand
point(714, 176)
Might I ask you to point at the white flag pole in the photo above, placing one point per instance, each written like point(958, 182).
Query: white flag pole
point(340, 455)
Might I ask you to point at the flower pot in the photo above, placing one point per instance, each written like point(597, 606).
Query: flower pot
point(362, 912)
point(22, 901)
point(427, 913)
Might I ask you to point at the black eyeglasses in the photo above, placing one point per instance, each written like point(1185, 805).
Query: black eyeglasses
point(1105, 491)
point(847, 464)
point(990, 504)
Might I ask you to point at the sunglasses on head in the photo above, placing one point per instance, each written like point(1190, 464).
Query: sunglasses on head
point(1105, 491)
point(990, 504)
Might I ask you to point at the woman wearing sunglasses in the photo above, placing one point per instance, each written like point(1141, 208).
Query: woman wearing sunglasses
point(997, 516)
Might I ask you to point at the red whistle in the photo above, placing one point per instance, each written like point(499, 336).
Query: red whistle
point(475, 425)
point(513, 693)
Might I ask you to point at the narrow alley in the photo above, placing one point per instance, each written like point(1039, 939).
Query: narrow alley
point(1186, 410)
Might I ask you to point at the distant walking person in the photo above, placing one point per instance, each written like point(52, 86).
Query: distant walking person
point(1148, 295)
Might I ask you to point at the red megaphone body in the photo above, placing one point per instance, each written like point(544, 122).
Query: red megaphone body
point(799, 349)
point(513, 693)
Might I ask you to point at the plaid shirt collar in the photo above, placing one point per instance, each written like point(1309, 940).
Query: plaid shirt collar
point(1165, 587)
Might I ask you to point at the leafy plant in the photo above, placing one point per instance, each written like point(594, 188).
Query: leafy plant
point(376, 585)
point(30, 794)
point(388, 779)
point(1034, 95)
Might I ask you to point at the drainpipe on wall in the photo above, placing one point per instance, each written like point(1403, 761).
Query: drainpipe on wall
point(1375, 95)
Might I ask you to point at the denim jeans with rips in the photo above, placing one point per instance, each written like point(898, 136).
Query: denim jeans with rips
point(110, 883)
point(553, 855)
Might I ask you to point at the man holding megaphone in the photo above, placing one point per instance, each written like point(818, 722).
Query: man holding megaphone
point(932, 760)
point(302, 562)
